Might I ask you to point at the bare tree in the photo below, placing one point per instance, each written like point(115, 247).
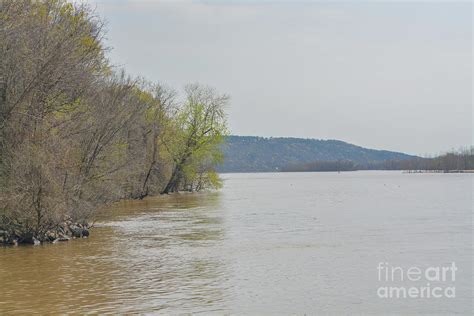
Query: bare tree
point(75, 133)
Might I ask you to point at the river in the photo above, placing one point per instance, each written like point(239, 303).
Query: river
point(281, 243)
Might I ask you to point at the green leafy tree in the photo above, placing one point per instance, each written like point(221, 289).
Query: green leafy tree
point(197, 132)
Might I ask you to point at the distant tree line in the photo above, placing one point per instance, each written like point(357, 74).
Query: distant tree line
point(76, 133)
point(460, 160)
point(456, 160)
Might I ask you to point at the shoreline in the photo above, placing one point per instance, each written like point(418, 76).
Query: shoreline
point(327, 171)
point(438, 171)
point(69, 229)
point(65, 231)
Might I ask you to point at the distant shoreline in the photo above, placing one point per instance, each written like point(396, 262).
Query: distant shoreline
point(339, 171)
point(438, 171)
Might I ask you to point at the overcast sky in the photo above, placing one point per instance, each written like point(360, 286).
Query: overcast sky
point(394, 76)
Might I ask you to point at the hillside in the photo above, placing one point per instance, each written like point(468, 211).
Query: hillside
point(259, 154)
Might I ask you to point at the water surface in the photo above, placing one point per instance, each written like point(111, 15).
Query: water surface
point(286, 243)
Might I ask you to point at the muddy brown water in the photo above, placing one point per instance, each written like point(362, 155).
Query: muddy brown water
point(286, 243)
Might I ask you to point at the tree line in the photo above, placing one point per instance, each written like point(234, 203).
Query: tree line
point(461, 160)
point(77, 133)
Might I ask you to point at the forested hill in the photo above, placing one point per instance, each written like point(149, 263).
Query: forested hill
point(259, 154)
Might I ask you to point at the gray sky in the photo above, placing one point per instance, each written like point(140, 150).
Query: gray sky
point(394, 76)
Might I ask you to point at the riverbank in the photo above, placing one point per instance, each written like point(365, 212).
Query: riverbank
point(69, 229)
point(102, 135)
point(65, 231)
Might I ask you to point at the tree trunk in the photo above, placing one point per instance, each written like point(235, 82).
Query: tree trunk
point(173, 183)
point(144, 191)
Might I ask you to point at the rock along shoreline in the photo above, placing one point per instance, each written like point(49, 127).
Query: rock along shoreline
point(65, 231)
